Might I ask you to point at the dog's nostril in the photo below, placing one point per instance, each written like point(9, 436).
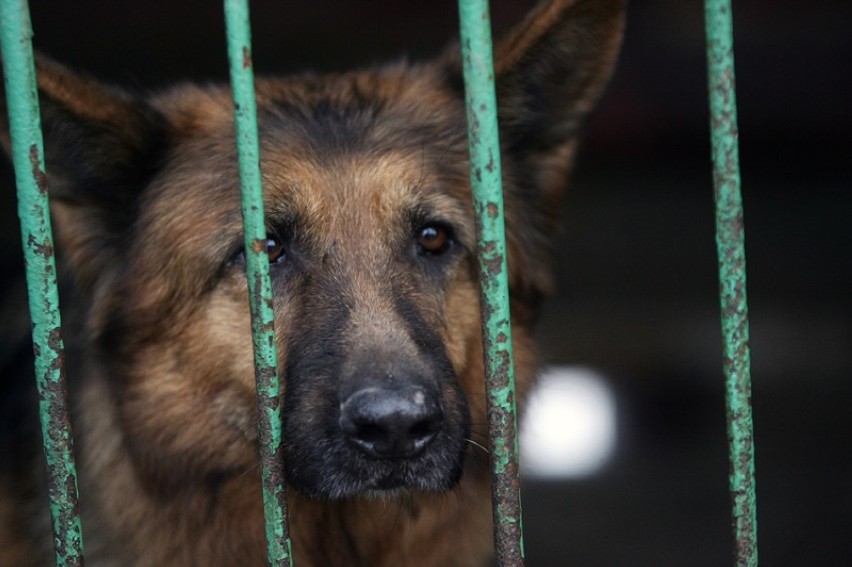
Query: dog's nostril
point(391, 423)
point(369, 432)
point(422, 429)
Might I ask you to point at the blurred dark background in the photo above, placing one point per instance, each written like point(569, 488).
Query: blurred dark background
point(637, 290)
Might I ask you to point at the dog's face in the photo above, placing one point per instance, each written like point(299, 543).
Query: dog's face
point(371, 248)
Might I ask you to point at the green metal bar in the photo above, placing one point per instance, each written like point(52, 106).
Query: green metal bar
point(260, 288)
point(732, 276)
point(36, 234)
point(487, 183)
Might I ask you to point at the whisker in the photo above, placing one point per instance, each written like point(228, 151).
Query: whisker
point(475, 444)
point(248, 470)
point(481, 436)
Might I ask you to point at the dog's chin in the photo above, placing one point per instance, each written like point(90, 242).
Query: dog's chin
point(379, 480)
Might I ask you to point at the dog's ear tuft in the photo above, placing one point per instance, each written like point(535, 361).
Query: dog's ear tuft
point(102, 145)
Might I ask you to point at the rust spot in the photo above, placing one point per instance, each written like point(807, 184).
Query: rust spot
point(259, 245)
point(489, 246)
point(487, 309)
point(266, 373)
point(246, 58)
point(42, 249)
point(490, 166)
point(54, 340)
point(492, 208)
point(494, 266)
point(38, 172)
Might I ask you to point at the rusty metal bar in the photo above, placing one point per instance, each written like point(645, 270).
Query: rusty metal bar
point(260, 288)
point(487, 184)
point(730, 244)
point(37, 239)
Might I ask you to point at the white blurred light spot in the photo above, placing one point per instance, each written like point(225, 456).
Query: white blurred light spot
point(569, 427)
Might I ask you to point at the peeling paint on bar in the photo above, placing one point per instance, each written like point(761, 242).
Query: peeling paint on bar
point(732, 276)
point(486, 179)
point(36, 235)
point(260, 289)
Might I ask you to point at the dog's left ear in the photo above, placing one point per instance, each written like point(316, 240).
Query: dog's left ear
point(101, 146)
point(550, 70)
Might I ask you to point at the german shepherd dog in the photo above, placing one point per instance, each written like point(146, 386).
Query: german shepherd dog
point(372, 252)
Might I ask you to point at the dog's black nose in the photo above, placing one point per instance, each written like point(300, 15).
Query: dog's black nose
point(391, 423)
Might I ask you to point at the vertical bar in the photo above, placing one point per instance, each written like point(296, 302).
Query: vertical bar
point(260, 289)
point(732, 277)
point(486, 180)
point(37, 239)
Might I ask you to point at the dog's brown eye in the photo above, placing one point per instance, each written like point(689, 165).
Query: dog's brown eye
point(433, 239)
point(274, 249)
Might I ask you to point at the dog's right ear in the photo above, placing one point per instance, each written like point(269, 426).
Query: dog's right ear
point(101, 146)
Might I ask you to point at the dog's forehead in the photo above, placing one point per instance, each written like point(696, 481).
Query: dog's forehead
point(339, 152)
point(360, 185)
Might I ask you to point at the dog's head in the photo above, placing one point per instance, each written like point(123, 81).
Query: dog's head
point(370, 241)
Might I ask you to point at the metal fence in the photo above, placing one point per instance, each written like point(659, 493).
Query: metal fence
point(33, 209)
